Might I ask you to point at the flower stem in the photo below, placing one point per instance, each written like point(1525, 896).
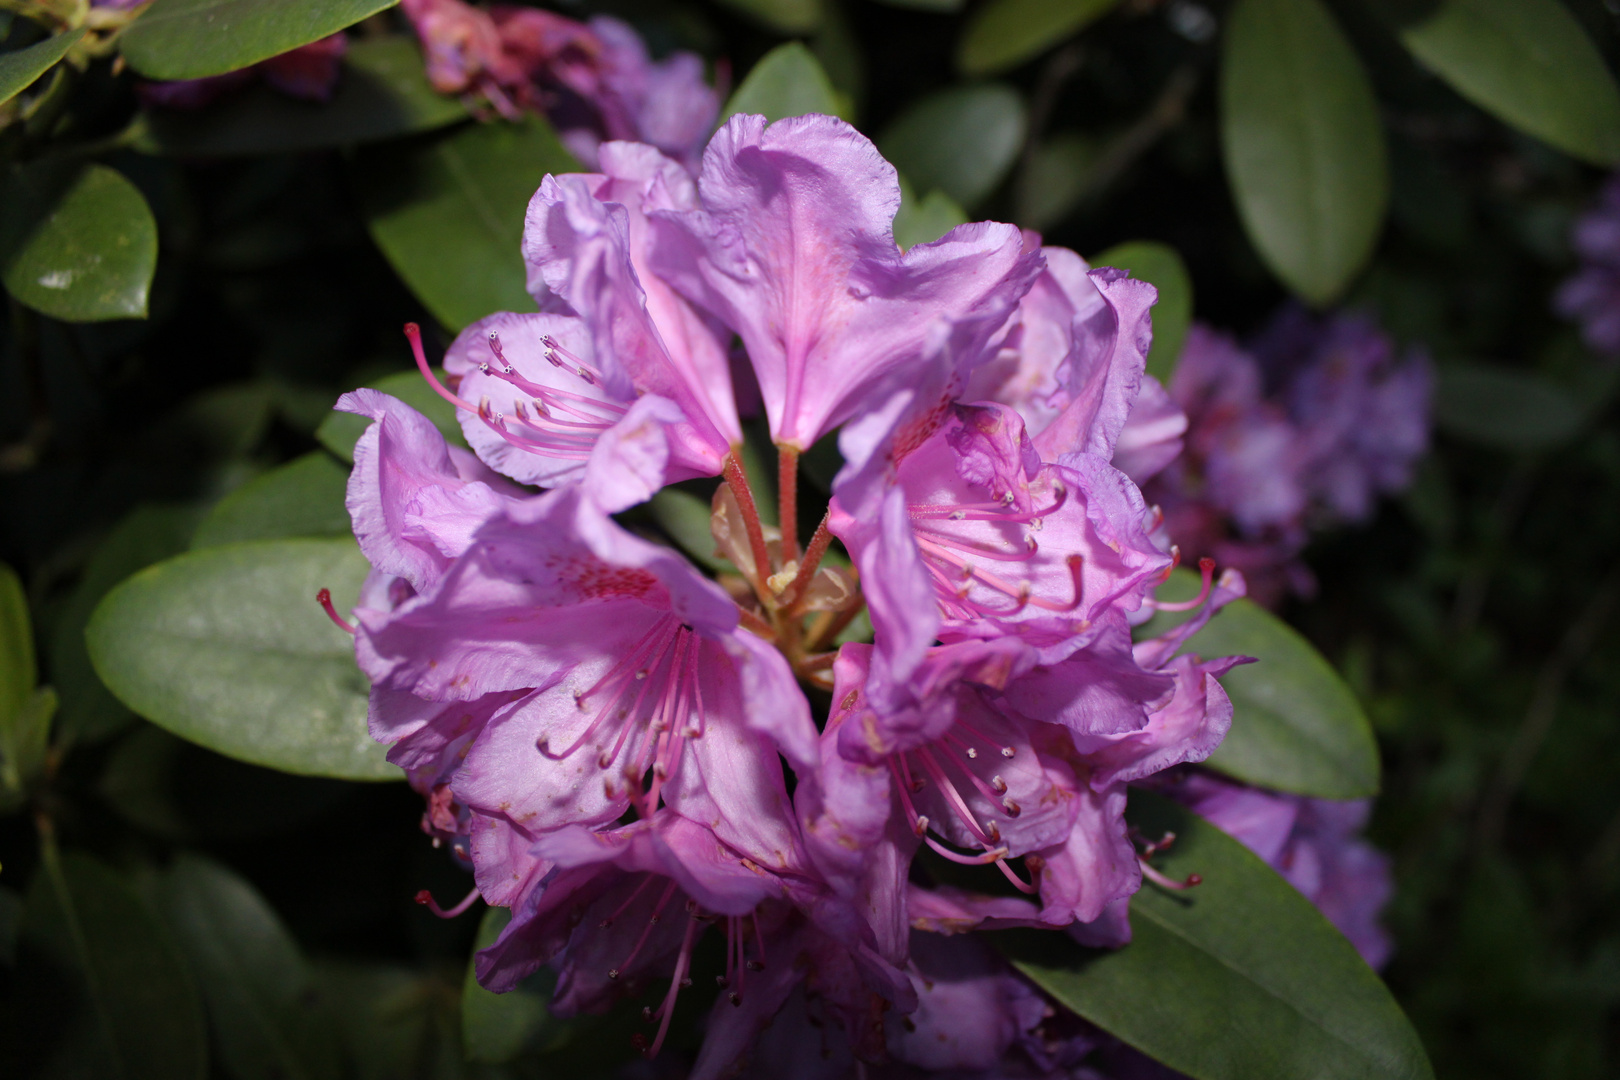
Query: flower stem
point(737, 480)
point(826, 634)
point(787, 488)
point(807, 567)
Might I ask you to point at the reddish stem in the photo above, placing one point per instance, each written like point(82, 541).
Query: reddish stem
point(737, 480)
point(807, 569)
point(787, 488)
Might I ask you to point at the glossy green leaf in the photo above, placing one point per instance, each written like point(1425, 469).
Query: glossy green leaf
point(340, 431)
point(109, 996)
point(1505, 407)
point(1239, 978)
point(1296, 725)
point(77, 242)
point(926, 219)
point(447, 211)
point(301, 498)
point(1303, 144)
point(960, 141)
point(190, 39)
point(787, 81)
point(783, 16)
point(146, 535)
point(495, 1028)
point(382, 93)
point(1004, 33)
point(1160, 265)
point(266, 1020)
point(228, 648)
point(1528, 63)
point(20, 68)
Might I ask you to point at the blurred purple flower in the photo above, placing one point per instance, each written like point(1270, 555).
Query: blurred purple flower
point(1592, 296)
point(594, 80)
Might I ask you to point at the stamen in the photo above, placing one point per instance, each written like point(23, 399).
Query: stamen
point(556, 354)
point(324, 598)
point(1164, 882)
point(1206, 568)
point(667, 1009)
point(425, 898)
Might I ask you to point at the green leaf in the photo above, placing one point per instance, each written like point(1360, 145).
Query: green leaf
point(447, 211)
point(1004, 33)
point(1505, 408)
point(924, 220)
point(1303, 145)
point(109, 995)
point(787, 81)
point(228, 648)
point(1054, 178)
point(1239, 978)
point(146, 535)
point(382, 93)
point(942, 7)
point(301, 498)
point(960, 141)
point(1296, 725)
point(191, 39)
point(495, 1028)
point(1528, 63)
point(255, 981)
point(783, 16)
point(340, 431)
point(77, 242)
point(19, 69)
point(395, 1022)
point(1160, 265)
point(17, 665)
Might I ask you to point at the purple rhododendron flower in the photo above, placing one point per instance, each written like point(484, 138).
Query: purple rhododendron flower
point(1302, 429)
point(1592, 295)
point(593, 80)
point(621, 747)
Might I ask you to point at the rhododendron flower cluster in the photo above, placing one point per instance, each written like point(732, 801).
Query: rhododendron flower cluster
point(1302, 429)
point(635, 756)
point(1592, 295)
point(593, 80)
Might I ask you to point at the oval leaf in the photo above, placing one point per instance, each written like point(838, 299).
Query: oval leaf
point(146, 535)
point(1296, 726)
point(1303, 146)
point(17, 674)
point(301, 498)
point(447, 211)
point(787, 81)
point(77, 243)
point(255, 982)
point(783, 16)
point(1160, 265)
point(1240, 978)
point(1004, 33)
point(191, 39)
point(924, 220)
point(381, 93)
point(340, 431)
point(1529, 64)
point(960, 141)
point(495, 1028)
point(1505, 408)
point(108, 994)
point(228, 648)
point(19, 69)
